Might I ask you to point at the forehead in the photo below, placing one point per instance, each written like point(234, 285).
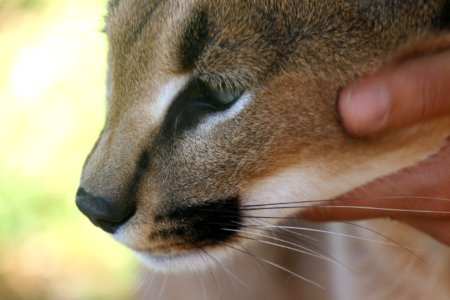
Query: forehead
point(232, 41)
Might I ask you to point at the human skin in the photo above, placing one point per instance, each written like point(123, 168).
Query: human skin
point(394, 97)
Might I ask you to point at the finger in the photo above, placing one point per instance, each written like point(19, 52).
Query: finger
point(363, 208)
point(436, 225)
point(439, 229)
point(415, 90)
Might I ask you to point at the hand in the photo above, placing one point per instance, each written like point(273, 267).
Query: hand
point(398, 96)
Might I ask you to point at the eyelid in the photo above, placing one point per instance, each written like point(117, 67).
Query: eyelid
point(222, 96)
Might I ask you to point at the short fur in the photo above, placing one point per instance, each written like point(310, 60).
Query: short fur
point(175, 162)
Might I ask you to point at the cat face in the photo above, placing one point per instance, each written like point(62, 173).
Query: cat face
point(218, 107)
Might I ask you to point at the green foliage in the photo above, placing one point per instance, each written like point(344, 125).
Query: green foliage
point(22, 4)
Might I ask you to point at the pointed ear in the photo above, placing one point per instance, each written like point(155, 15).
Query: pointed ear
point(422, 47)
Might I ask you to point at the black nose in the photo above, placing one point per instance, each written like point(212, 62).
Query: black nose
point(103, 212)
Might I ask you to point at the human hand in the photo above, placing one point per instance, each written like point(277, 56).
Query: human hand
point(397, 96)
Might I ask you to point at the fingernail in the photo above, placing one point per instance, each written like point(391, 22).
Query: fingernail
point(365, 110)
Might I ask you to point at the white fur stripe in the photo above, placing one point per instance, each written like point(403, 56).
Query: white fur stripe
point(165, 96)
point(228, 114)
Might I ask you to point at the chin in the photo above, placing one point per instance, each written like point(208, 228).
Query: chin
point(196, 261)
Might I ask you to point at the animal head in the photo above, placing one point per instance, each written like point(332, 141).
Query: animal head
point(216, 107)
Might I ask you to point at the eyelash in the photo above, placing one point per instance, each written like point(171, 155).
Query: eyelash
point(219, 98)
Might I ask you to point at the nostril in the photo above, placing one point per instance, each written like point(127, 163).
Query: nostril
point(103, 212)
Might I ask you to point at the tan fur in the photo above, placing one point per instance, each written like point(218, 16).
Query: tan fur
point(286, 145)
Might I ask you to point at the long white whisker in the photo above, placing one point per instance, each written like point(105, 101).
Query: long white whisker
point(362, 207)
point(327, 232)
point(348, 199)
point(295, 250)
point(286, 230)
point(212, 276)
point(226, 273)
point(146, 280)
point(161, 291)
point(233, 274)
point(298, 248)
point(299, 234)
point(202, 285)
point(277, 266)
point(326, 254)
point(258, 263)
point(389, 239)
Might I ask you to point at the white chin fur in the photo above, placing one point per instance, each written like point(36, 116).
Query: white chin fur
point(197, 261)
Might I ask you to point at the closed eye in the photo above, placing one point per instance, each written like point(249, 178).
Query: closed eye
point(194, 103)
point(220, 98)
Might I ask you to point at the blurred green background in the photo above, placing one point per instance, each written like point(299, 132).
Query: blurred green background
point(52, 90)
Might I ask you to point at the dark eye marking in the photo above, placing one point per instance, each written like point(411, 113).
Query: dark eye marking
point(194, 103)
point(195, 39)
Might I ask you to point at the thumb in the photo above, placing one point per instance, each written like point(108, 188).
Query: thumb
point(400, 95)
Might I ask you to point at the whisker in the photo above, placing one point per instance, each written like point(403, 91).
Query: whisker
point(389, 239)
point(161, 291)
point(145, 282)
point(270, 217)
point(294, 235)
point(202, 286)
point(276, 266)
point(212, 276)
point(295, 250)
point(299, 248)
point(390, 242)
point(349, 199)
point(374, 208)
point(258, 264)
point(229, 278)
point(310, 251)
point(233, 274)
point(301, 235)
point(326, 256)
point(328, 232)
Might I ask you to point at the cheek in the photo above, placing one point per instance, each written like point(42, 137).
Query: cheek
point(292, 121)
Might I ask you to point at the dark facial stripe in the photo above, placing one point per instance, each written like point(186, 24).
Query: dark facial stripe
point(195, 39)
point(145, 20)
point(201, 224)
point(141, 167)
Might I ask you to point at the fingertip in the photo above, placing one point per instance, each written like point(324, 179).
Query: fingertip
point(346, 110)
point(364, 108)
